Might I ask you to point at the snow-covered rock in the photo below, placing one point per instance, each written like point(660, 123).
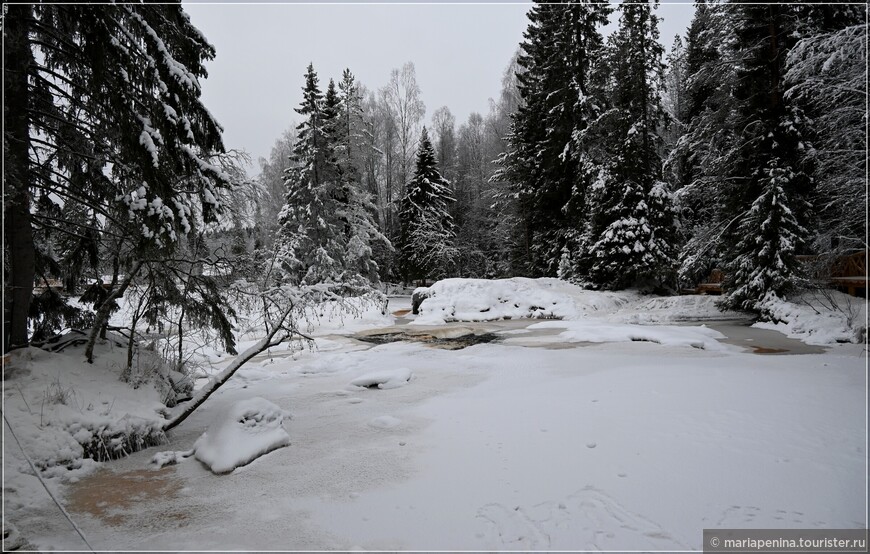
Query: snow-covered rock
point(170, 457)
point(518, 297)
point(667, 309)
point(387, 379)
point(246, 431)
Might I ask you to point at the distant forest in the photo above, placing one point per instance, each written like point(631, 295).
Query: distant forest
point(604, 161)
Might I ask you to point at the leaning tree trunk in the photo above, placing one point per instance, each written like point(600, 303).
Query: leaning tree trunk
point(106, 310)
point(214, 384)
point(18, 288)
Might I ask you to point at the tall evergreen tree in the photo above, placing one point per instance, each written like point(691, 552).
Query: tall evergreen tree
point(676, 106)
point(327, 232)
point(766, 169)
point(633, 226)
point(548, 163)
point(310, 245)
point(708, 131)
point(364, 238)
point(102, 107)
point(427, 228)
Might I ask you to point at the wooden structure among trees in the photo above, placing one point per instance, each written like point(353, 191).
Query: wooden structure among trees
point(846, 272)
point(712, 284)
point(850, 273)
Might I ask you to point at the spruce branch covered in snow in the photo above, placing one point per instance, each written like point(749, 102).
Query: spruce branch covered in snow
point(827, 74)
point(107, 130)
point(285, 312)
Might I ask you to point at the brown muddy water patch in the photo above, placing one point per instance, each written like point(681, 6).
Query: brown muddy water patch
point(766, 350)
point(114, 497)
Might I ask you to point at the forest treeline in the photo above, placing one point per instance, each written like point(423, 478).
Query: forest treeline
point(603, 161)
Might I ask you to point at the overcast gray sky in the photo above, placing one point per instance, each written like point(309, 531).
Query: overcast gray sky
point(460, 52)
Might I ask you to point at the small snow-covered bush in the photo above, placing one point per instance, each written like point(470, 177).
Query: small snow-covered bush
point(103, 442)
point(56, 393)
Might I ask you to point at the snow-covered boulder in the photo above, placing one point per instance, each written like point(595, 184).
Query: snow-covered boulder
point(387, 379)
point(246, 431)
point(519, 297)
point(417, 297)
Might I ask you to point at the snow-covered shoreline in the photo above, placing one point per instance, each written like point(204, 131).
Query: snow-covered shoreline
point(662, 426)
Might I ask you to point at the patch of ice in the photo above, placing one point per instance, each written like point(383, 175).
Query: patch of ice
point(671, 335)
point(246, 431)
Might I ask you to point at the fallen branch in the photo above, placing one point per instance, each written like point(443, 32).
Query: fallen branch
point(276, 335)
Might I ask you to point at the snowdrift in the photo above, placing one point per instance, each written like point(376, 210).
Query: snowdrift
point(64, 410)
point(817, 317)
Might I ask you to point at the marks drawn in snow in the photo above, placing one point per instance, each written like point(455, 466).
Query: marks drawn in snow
point(752, 516)
point(588, 519)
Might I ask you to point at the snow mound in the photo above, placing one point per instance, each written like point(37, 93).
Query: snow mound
point(246, 431)
point(817, 317)
point(63, 409)
point(387, 379)
point(518, 297)
point(669, 335)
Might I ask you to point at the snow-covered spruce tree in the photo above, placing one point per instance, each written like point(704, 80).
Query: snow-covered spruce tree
point(327, 231)
point(708, 131)
point(633, 225)
point(770, 236)
point(427, 228)
point(110, 95)
point(767, 171)
point(363, 235)
point(548, 162)
point(676, 106)
point(309, 245)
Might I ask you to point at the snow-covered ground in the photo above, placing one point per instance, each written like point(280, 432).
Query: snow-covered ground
point(630, 441)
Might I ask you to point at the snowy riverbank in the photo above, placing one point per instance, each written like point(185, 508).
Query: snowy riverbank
point(623, 442)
